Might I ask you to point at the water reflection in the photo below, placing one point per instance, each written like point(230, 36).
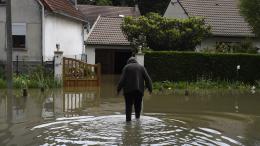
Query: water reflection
point(132, 134)
point(112, 130)
point(75, 100)
point(48, 108)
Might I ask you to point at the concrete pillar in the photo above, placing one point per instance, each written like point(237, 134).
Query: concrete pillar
point(58, 65)
point(91, 54)
point(140, 58)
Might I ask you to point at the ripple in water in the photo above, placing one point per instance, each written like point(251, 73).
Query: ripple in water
point(113, 130)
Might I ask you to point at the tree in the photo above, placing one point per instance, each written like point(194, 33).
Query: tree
point(108, 2)
point(95, 2)
point(166, 34)
point(145, 6)
point(251, 10)
point(156, 6)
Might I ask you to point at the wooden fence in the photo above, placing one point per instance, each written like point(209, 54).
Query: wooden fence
point(80, 74)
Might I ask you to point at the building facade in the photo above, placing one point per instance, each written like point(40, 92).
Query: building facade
point(227, 24)
point(39, 26)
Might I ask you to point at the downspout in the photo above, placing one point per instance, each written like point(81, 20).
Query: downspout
point(76, 4)
point(43, 30)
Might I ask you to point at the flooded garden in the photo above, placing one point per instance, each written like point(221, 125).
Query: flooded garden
point(95, 116)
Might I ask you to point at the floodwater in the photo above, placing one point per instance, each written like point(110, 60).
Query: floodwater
point(95, 116)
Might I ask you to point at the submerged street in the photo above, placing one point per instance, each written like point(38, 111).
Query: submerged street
point(95, 116)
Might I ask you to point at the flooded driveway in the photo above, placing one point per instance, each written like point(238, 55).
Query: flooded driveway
point(95, 116)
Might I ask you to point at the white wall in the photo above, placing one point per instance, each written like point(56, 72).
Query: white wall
point(66, 32)
point(257, 43)
point(175, 10)
point(91, 55)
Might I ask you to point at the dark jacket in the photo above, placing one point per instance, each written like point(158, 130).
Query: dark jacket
point(133, 78)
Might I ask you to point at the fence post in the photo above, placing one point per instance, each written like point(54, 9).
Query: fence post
point(140, 58)
point(17, 65)
point(58, 65)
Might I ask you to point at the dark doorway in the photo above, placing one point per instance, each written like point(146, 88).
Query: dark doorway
point(112, 61)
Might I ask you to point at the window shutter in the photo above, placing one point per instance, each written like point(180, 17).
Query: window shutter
point(19, 28)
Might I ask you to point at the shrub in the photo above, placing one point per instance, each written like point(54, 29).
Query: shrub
point(2, 73)
point(2, 83)
point(245, 46)
point(166, 34)
point(191, 66)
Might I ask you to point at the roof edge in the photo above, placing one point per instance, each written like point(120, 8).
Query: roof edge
point(234, 35)
point(69, 16)
point(93, 26)
point(92, 44)
point(47, 5)
point(183, 8)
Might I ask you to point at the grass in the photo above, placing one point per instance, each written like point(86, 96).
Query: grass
point(22, 81)
point(37, 78)
point(203, 84)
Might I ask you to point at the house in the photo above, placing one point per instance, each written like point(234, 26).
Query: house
point(39, 25)
point(106, 43)
point(92, 12)
point(228, 26)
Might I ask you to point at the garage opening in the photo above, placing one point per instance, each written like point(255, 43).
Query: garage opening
point(112, 61)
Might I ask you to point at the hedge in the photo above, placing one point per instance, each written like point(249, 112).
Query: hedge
point(192, 66)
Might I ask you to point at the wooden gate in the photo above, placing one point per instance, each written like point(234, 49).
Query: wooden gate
point(80, 74)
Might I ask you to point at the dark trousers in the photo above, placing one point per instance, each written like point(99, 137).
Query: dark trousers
point(133, 98)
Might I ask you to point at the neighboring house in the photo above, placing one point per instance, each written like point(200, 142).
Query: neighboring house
point(106, 43)
point(38, 25)
point(92, 12)
point(228, 26)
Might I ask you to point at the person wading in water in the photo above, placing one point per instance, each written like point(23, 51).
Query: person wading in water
point(133, 81)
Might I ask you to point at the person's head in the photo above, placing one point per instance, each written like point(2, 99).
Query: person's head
point(131, 60)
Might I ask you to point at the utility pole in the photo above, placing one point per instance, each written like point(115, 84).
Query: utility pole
point(9, 64)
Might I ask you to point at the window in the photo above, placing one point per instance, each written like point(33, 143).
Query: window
point(19, 35)
point(2, 1)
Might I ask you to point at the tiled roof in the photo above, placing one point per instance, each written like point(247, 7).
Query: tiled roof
point(107, 31)
point(91, 12)
point(222, 15)
point(63, 7)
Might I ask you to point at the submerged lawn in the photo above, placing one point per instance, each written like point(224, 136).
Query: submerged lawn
point(204, 84)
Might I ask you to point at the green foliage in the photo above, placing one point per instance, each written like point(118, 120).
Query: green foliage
point(108, 2)
point(145, 6)
point(251, 10)
point(166, 34)
point(2, 83)
point(21, 81)
point(37, 78)
point(190, 66)
point(2, 72)
point(44, 78)
point(156, 6)
point(246, 46)
point(95, 2)
point(200, 84)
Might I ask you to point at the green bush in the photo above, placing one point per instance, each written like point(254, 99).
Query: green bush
point(166, 34)
point(200, 84)
point(2, 73)
point(2, 83)
point(245, 46)
point(191, 66)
